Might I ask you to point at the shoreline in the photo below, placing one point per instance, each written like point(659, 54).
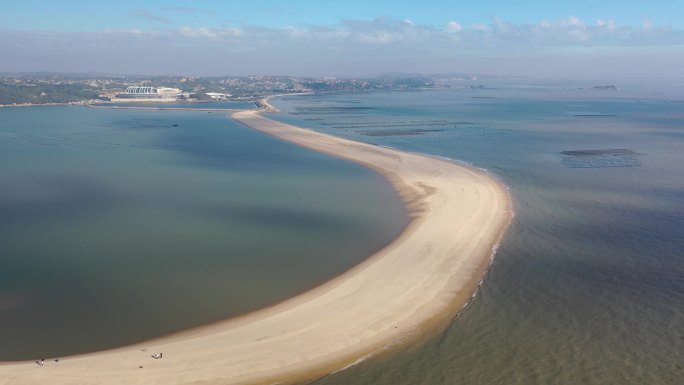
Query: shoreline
point(156, 108)
point(80, 103)
point(416, 283)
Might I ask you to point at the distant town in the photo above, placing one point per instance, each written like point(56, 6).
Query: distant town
point(31, 89)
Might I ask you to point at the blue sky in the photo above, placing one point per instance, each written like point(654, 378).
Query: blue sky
point(96, 15)
point(345, 38)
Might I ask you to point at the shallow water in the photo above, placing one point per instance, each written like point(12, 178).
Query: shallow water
point(588, 285)
point(122, 225)
point(229, 105)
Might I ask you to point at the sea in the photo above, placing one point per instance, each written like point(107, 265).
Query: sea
point(587, 286)
point(118, 226)
point(218, 105)
point(121, 225)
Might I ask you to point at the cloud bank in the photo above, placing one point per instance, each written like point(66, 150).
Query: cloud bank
point(561, 47)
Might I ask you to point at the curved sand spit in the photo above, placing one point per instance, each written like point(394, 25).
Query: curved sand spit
point(429, 272)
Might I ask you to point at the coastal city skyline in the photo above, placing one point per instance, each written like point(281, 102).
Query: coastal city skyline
point(546, 39)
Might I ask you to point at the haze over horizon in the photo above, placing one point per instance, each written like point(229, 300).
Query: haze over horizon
point(306, 38)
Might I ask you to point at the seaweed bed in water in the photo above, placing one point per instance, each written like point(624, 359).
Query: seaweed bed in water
point(614, 157)
point(396, 132)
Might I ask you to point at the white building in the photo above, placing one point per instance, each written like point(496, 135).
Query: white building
point(218, 96)
point(136, 93)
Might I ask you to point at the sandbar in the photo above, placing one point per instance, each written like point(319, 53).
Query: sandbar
point(458, 216)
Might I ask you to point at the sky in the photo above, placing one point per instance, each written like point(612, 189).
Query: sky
point(553, 38)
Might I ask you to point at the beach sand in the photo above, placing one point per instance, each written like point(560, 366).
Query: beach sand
point(425, 276)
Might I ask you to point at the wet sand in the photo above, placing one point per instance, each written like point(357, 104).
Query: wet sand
point(459, 214)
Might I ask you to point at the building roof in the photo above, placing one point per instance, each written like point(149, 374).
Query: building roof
point(141, 90)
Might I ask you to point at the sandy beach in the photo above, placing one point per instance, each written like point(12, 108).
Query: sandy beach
point(459, 215)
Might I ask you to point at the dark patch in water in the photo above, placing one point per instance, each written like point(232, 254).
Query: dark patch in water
point(614, 157)
point(614, 151)
point(50, 199)
point(396, 132)
point(393, 124)
point(8, 302)
point(349, 101)
point(277, 217)
point(479, 131)
point(141, 124)
point(330, 110)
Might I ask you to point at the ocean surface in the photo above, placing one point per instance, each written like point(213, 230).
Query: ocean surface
point(588, 285)
point(219, 105)
point(117, 226)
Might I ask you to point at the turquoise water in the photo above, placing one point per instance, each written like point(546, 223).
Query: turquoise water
point(117, 226)
point(588, 285)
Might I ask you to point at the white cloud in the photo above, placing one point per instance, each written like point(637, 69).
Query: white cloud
point(205, 32)
point(133, 31)
point(453, 26)
point(363, 43)
point(501, 25)
point(607, 24)
point(573, 22)
point(500, 35)
point(197, 32)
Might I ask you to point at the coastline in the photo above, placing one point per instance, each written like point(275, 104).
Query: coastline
point(165, 108)
point(421, 279)
point(80, 103)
